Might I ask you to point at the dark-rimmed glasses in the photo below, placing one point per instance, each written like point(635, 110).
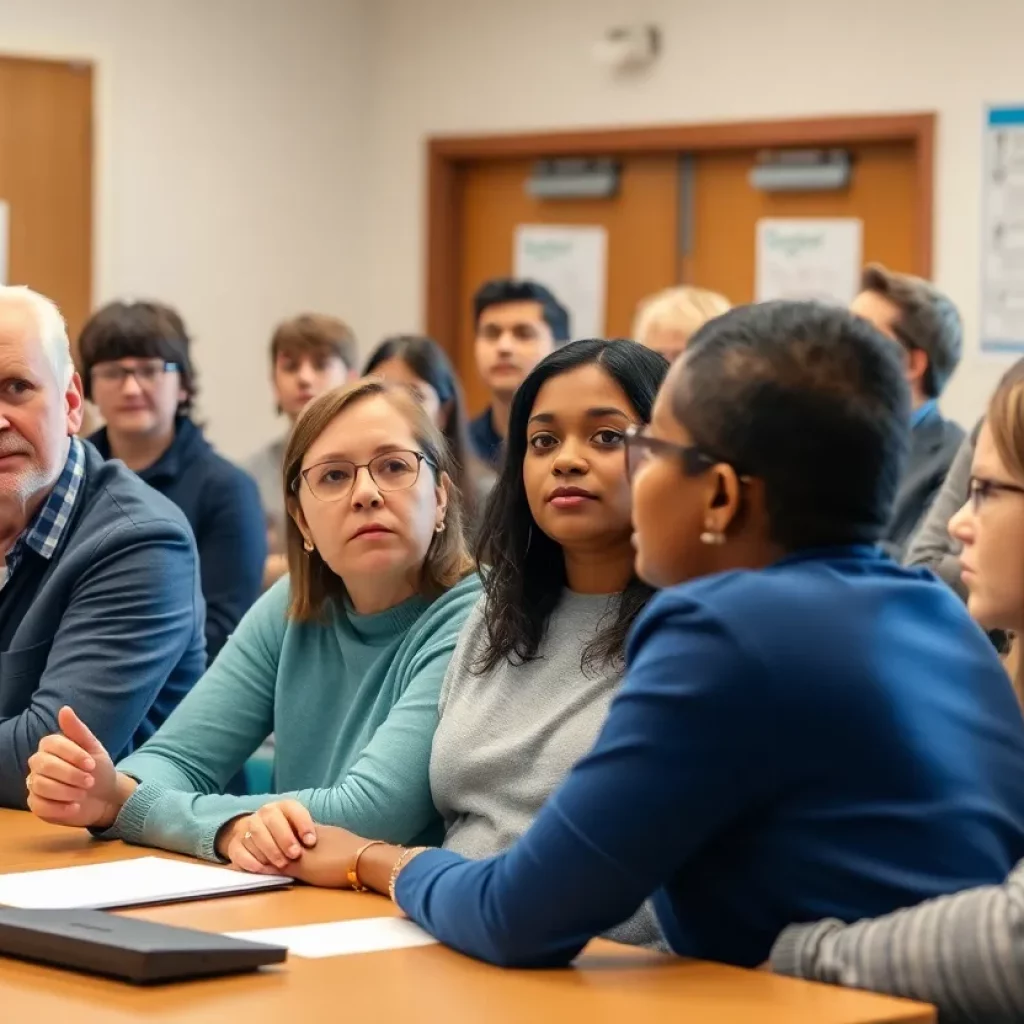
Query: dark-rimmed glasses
point(334, 479)
point(640, 446)
point(981, 489)
point(145, 374)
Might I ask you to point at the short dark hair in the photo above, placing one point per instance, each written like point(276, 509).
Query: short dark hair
point(525, 572)
point(813, 401)
point(927, 320)
point(430, 363)
point(502, 290)
point(317, 334)
point(137, 330)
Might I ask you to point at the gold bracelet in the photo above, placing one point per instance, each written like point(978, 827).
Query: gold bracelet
point(353, 872)
point(407, 855)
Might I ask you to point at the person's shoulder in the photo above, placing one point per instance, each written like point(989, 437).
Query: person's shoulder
point(225, 480)
point(266, 458)
point(117, 501)
point(953, 435)
point(447, 614)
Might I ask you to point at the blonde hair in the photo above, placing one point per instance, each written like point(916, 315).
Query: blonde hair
point(1005, 419)
point(683, 308)
point(313, 582)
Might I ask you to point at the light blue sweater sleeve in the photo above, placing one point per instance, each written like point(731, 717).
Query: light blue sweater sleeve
point(386, 792)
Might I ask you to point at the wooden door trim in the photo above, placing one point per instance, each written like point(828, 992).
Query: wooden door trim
point(446, 155)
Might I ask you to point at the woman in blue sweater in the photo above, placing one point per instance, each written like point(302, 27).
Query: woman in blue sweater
point(805, 729)
point(342, 660)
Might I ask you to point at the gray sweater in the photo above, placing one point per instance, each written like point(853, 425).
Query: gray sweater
point(964, 953)
point(506, 739)
point(932, 546)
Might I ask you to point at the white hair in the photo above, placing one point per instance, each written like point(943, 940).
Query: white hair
point(53, 331)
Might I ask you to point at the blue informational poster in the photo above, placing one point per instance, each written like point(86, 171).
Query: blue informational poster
point(1002, 231)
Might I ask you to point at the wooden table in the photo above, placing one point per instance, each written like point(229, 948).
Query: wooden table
point(609, 984)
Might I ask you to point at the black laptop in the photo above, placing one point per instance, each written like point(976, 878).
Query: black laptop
point(141, 952)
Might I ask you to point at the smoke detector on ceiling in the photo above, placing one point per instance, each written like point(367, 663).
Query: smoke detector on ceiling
point(628, 47)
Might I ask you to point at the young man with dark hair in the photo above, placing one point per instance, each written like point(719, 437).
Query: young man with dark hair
point(137, 370)
point(518, 323)
point(309, 354)
point(927, 327)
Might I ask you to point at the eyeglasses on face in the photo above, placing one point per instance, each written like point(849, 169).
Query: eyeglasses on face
point(981, 489)
point(640, 447)
point(145, 374)
point(334, 479)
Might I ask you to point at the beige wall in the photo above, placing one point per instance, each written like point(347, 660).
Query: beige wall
point(454, 66)
point(256, 157)
point(228, 163)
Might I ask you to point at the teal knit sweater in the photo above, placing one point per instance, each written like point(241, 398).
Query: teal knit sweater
point(353, 706)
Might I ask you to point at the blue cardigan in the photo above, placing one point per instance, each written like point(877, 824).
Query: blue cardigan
point(829, 737)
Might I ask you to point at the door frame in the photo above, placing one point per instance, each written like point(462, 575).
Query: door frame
point(448, 155)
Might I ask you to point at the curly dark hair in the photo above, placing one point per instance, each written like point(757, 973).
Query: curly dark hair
point(524, 572)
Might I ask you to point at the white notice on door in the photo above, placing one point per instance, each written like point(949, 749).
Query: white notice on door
point(800, 258)
point(572, 262)
point(5, 221)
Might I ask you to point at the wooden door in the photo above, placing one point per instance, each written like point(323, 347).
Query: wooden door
point(46, 179)
point(725, 210)
point(641, 221)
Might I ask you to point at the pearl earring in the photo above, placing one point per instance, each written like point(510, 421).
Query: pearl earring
point(307, 546)
point(713, 537)
point(440, 527)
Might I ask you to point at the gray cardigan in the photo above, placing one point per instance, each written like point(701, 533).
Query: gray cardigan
point(932, 546)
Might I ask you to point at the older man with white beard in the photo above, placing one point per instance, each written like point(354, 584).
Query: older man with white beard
point(100, 606)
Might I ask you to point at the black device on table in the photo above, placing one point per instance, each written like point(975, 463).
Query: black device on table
point(142, 952)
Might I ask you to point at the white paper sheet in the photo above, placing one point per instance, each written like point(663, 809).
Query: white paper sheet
point(573, 263)
point(126, 883)
point(339, 938)
point(5, 221)
point(808, 258)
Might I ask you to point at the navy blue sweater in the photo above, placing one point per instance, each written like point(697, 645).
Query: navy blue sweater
point(830, 737)
point(112, 624)
point(222, 505)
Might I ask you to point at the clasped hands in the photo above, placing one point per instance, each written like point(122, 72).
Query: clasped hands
point(281, 839)
point(72, 781)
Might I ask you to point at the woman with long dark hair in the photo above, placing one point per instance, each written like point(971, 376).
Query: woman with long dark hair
point(421, 365)
point(543, 652)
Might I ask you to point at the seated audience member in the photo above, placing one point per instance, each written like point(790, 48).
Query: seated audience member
point(668, 319)
point(309, 354)
point(927, 327)
point(933, 546)
point(99, 592)
point(137, 371)
point(543, 652)
point(517, 324)
point(343, 661)
point(964, 952)
point(421, 365)
point(777, 746)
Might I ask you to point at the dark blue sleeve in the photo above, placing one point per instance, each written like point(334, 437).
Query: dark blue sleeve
point(131, 617)
point(681, 754)
point(232, 549)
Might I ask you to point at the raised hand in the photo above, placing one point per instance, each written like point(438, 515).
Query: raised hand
point(72, 780)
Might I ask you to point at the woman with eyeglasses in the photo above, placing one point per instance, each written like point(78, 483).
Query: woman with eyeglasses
point(543, 652)
point(803, 724)
point(342, 660)
point(964, 953)
point(137, 371)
